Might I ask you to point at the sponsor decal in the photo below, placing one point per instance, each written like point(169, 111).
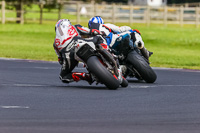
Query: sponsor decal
point(72, 31)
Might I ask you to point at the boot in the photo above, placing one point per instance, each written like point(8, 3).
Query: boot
point(146, 53)
point(82, 76)
point(67, 78)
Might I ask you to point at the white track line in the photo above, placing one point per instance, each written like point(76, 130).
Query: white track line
point(27, 60)
point(14, 107)
point(24, 85)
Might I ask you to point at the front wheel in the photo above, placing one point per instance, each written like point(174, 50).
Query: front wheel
point(142, 67)
point(97, 68)
point(124, 82)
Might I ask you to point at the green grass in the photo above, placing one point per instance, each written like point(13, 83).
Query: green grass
point(173, 46)
point(30, 41)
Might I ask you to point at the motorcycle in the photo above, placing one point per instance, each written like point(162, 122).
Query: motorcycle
point(131, 60)
point(100, 64)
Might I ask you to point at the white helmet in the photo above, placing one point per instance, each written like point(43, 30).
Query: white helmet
point(64, 22)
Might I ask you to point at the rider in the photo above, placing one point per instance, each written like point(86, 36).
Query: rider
point(112, 32)
point(67, 35)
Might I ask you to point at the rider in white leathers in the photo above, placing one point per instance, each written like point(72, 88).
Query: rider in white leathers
point(67, 35)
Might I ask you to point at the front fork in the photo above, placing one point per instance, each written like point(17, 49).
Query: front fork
point(120, 76)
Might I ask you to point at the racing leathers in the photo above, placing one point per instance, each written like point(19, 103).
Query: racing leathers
point(64, 43)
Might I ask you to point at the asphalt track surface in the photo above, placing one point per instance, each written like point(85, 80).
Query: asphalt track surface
point(34, 100)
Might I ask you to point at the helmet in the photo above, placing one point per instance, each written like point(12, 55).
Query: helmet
point(65, 22)
point(96, 19)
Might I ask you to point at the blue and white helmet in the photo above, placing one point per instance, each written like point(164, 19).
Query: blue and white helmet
point(96, 19)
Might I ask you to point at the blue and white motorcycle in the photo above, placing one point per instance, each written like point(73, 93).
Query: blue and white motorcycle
point(131, 60)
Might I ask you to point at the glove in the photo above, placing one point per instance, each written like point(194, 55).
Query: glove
point(95, 32)
point(105, 46)
point(60, 60)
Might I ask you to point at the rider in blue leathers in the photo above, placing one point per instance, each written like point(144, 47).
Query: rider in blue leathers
point(114, 34)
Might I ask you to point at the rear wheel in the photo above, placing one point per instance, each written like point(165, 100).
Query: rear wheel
point(142, 67)
point(96, 67)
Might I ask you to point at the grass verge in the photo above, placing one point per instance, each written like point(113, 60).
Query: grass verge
point(173, 46)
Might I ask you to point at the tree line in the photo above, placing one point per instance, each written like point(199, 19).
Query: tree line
point(120, 1)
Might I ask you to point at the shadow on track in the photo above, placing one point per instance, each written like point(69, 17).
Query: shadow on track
point(56, 86)
point(88, 87)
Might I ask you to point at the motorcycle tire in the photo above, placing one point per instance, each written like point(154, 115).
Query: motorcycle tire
point(142, 67)
point(124, 83)
point(96, 67)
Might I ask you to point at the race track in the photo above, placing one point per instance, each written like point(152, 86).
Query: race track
point(34, 100)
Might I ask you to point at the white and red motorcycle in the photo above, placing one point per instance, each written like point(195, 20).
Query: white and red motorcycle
point(101, 64)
